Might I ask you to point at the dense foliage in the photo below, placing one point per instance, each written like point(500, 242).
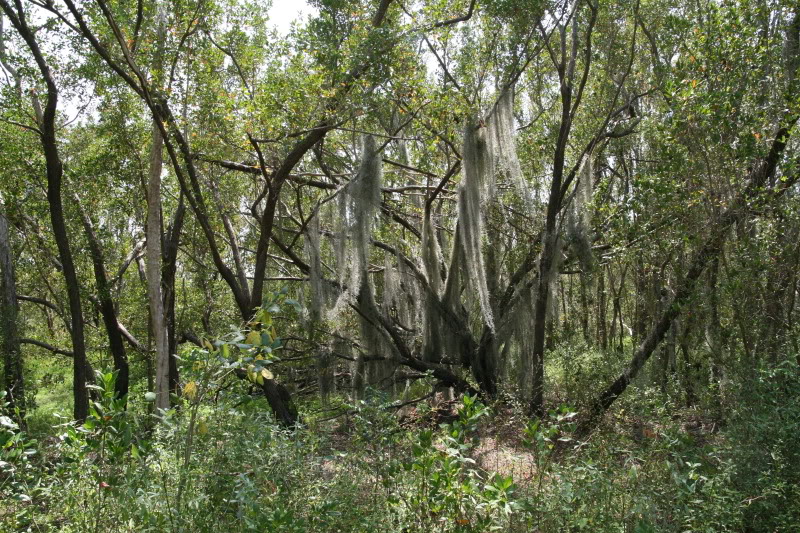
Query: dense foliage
point(425, 265)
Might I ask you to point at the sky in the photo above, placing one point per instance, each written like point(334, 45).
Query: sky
point(284, 12)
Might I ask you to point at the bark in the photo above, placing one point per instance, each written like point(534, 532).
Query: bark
point(107, 308)
point(14, 385)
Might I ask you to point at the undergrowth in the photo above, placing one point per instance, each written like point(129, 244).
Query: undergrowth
point(218, 462)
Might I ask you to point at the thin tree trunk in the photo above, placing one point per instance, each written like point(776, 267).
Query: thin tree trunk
point(170, 262)
point(641, 318)
point(584, 310)
point(600, 318)
point(107, 308)
point(79, 377)
point(713, 325)
point(154, 294)
point(14, 385)
point(690, 369)
point(154, 234)
point(790, 307)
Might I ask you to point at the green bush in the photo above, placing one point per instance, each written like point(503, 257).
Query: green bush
point(765, 446)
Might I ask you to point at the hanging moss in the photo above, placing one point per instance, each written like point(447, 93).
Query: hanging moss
point(477, 182)
point(502, 144)
point(579, 217)
point(358, 205)
point(315, 268)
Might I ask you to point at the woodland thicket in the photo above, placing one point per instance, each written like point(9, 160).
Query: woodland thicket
point(409, 265)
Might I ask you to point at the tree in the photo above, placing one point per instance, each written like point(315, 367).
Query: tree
point(46, 130)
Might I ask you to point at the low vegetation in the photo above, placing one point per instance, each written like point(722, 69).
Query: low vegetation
point(219, 462)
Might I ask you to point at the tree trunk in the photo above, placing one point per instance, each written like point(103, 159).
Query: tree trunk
point(484, 366)
point(79, 377)
point(14, 384)
point(154, 294)
point(713, 326)
point(168, 271)
point(600, 318)
point(107, 308)
point(584, 309)
point(570, 100)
